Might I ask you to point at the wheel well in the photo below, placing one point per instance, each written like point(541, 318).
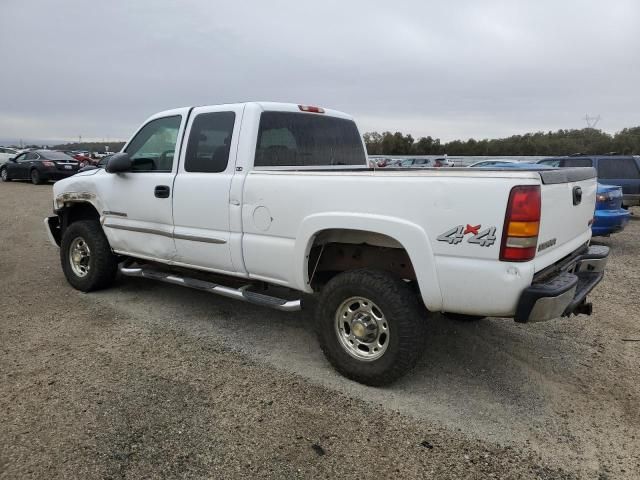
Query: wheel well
point(338, 250)
point(78, 211)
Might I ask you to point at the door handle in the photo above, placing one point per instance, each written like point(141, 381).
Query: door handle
point(162, 191)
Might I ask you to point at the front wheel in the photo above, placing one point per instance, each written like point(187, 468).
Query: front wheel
point(86, 257)
point(4, 175)
point(370, 326)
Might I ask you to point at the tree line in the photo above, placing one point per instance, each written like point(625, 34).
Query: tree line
point(561, 142)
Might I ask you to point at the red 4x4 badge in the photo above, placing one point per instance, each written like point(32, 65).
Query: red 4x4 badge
point(484, 238)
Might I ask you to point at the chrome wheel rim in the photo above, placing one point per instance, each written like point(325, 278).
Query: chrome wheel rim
point(79, 256)
point(4, 174)
point(362, 329)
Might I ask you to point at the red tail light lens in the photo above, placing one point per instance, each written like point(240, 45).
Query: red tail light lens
point(47, 163)
point(521, 224)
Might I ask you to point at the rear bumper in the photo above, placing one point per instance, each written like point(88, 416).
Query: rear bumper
point(57, 174)
point(564, 293)
point(609, 221)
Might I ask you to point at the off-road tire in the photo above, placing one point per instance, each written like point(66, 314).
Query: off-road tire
point(103, 264)
point(405, 315)
point(4, 175)
point(36, 178)
point(461, 317)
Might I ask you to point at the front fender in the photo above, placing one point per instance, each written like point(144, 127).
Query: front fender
point(412, 237)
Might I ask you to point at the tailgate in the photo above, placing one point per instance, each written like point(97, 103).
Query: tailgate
point(568, 204)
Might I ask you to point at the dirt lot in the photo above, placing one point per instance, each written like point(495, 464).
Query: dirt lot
point(150, 380)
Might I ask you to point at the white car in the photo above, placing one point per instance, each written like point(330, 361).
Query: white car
point(270, 202)
point(7, 154)
point(491, 163)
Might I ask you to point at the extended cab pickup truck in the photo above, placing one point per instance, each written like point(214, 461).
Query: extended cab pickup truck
point(274, 204)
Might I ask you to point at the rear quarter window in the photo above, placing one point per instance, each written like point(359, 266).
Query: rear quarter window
point(288, 139)
point(617, 168)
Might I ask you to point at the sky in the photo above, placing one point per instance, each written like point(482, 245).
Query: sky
point(456, 69)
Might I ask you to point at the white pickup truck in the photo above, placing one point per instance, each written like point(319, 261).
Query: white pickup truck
point(271, 203)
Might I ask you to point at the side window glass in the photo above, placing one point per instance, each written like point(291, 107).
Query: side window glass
point(578, 162)
point(21, 157)
point(209, 142)
point(30, 156)
point(153, 148)
point(617, 168)
point(551, 163)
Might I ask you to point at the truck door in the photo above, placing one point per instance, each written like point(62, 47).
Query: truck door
point(201, 188)
point(137, 211)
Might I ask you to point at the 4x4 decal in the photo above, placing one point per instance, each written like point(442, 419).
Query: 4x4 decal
point(484, 238)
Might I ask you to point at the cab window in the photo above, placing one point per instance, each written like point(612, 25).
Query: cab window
point(153, 148)
point(209, 142)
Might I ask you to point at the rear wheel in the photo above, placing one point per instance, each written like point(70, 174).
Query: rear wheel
point(36, 178)
point(86, 257)
point(4, 175)
point(370, 326)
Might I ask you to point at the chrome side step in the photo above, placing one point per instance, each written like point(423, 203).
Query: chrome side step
point(241, 293)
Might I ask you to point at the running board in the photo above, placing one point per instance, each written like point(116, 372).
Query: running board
point(241, 293)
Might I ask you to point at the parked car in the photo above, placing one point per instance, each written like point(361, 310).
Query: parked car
point(621, 170)
point(278, 201)
point(609, 216)
point(101, 164)
point(514, 165)
point(83, 159)
point(490, 163)
point(39, 166)
point(7, 154)
point(424, 162)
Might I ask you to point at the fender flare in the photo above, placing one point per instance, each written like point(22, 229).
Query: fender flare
point(412, 237)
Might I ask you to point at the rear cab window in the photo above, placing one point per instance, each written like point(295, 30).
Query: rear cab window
point(210, 142)
point(291, 139)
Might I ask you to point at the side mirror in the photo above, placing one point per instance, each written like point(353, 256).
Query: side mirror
point(119, 162)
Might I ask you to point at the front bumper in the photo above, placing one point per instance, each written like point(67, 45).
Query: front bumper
point(52, 226)
point(565, 292)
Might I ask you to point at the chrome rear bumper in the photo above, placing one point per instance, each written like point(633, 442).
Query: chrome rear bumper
point(565, 293)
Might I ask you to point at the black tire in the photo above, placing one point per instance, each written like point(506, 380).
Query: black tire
point(36, 178)
point(401, 310)
point(461, 317)
point(4, 175)
point(102, 263)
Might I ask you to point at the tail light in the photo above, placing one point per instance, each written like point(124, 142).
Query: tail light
point(46, 163)
point(312, 109)
point(521, 224)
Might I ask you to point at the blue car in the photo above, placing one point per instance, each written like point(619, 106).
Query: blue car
point(609, 216)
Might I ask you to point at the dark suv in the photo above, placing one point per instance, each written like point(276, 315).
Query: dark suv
point(622, 170)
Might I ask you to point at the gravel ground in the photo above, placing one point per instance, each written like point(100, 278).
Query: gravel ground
point(150, 380)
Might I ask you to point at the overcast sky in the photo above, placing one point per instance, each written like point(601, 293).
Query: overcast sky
point(449, 69)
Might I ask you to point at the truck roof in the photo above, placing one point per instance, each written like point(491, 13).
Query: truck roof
point(265, 106)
